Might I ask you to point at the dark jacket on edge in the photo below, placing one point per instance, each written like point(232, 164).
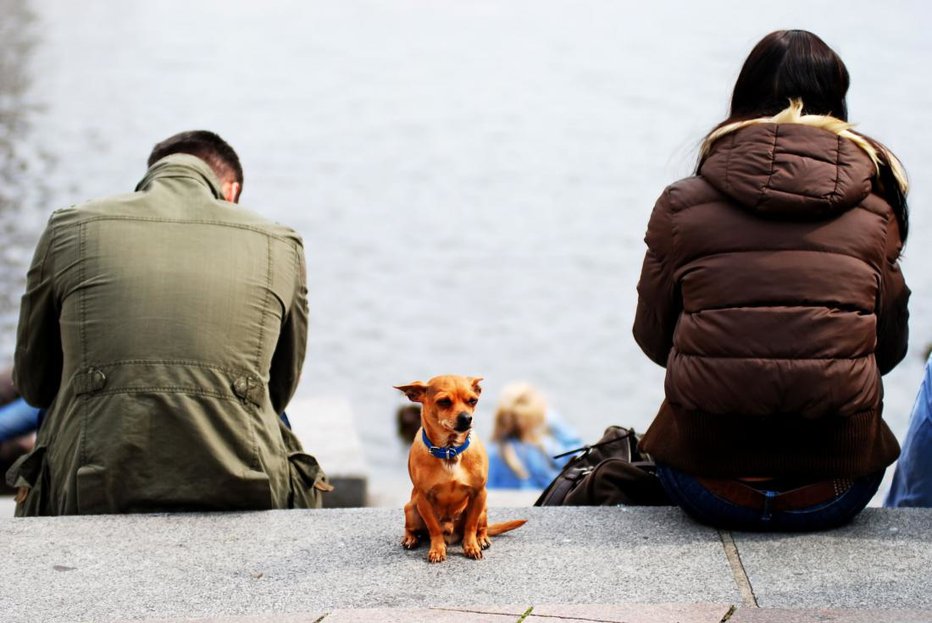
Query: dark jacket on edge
point(165, 330)
point(772, 293)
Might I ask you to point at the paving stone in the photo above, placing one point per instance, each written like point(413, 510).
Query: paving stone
point(784, 615)
point(417, 615)
point(633, 613)
point(881, 560)
point(307, 617)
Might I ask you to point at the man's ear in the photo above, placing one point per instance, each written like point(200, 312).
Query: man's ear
point(230, 191)
point(474, 381)
point(414, 391)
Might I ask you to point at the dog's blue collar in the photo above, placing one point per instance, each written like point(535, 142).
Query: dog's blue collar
point(449, 452)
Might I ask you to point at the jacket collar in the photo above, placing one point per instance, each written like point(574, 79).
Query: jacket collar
point(793, 114)
point(793, 166)
point(184, 166)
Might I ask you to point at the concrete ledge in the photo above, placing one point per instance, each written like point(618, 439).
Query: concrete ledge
point(7, 506)
point(326, 428)
point(572, 563)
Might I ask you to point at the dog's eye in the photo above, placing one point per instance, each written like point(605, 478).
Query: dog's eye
point(446, 403)
point(472, 402)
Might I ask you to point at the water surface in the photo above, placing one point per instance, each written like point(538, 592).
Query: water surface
point(472, 180)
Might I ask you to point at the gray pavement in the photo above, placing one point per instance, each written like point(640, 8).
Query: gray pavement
point(572, 564)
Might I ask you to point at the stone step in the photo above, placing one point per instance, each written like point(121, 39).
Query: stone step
point(562, 562)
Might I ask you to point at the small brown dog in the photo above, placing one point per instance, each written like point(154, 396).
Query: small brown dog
point(449, 470)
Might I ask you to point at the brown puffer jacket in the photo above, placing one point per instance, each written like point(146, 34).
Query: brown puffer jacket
point(771, 291)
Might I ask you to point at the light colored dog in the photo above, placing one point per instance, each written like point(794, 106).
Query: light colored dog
point(449, 469)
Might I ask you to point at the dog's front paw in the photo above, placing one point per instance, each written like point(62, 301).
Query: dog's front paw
point(410, 541)
point(437, 553)
point(485, 542)
point(472, 550)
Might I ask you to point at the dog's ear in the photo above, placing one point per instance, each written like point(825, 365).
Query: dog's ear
point(474, 381)
point(415, 391)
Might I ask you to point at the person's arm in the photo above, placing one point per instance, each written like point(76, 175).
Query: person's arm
point(912, 478)
point(892, 306)
point(659, 303)
point(37, 366)
point(288, 359)
point(17, 418)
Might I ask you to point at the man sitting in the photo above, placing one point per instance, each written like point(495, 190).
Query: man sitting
point(165, 331)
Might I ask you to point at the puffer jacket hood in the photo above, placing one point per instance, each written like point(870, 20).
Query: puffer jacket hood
point(799, 166)
point(791, 176)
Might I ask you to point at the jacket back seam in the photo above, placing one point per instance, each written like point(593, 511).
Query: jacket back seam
point(152, 219)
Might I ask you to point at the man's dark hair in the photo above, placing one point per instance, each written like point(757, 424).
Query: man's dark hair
point(207, 146)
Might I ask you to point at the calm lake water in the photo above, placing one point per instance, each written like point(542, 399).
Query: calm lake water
point(472, 179)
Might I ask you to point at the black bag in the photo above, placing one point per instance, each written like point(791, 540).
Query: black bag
point(607, 473)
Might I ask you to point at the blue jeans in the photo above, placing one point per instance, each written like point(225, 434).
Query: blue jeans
point(17, 418)
point(706, 507)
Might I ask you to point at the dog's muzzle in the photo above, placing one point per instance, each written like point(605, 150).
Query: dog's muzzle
point(463, 422)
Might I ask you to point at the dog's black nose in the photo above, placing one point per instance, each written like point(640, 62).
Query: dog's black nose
point(463, 421)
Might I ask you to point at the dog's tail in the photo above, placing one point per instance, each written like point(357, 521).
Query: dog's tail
point(505, 526)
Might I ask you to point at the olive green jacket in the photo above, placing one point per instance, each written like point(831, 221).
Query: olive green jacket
point(165, 331)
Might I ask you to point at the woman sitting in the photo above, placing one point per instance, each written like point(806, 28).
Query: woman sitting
point(772, 293)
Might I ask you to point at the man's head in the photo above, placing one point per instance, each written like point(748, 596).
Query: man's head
point(210, 148)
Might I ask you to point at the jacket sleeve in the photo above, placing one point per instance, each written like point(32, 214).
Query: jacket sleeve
point(659, 303)
point(37, 365)
point(288, 359)
point(892, 306)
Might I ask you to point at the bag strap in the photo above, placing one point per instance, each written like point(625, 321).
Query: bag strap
point(586, 449)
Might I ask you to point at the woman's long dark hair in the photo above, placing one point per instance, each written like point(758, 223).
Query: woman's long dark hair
point(796, 64)
point(790, 64)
